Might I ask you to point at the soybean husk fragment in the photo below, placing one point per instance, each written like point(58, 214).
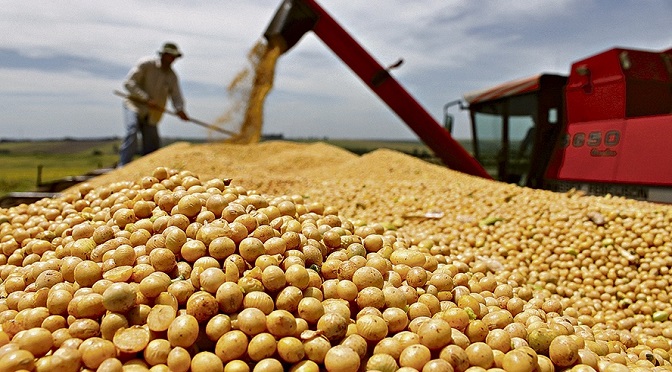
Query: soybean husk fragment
point(492, 264)
point(631, 257)
point(597, 218)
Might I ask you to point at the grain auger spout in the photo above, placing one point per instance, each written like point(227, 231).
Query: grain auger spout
point(294, 18)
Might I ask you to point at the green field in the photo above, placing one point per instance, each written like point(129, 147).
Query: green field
point(20, 160)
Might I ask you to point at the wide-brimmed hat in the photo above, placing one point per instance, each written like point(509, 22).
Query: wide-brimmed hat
point(172, 49)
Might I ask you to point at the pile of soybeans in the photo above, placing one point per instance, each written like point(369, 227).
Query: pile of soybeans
point(304, 257)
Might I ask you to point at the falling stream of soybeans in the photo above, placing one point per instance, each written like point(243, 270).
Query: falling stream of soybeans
point(248, 91)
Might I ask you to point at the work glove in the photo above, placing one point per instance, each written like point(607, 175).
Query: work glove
point(182, 115)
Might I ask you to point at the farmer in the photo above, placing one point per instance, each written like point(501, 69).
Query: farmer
point(149, 85)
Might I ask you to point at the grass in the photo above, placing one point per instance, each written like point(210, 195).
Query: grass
point(19, 161)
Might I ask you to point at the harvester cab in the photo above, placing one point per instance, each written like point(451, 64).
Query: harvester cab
point(515, 127)
point(294, 18)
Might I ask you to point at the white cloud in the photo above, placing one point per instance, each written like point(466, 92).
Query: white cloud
point(449, 47)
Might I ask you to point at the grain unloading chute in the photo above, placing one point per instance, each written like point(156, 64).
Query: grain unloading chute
point(294, 18)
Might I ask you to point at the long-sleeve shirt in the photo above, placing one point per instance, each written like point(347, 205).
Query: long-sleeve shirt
point(147, 81)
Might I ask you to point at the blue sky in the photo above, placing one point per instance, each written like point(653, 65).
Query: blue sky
point(61, 60)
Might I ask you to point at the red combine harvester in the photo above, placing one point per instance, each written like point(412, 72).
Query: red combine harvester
point(605, 129)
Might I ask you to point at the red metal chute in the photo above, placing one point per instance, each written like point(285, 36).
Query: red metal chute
point(296, 17)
